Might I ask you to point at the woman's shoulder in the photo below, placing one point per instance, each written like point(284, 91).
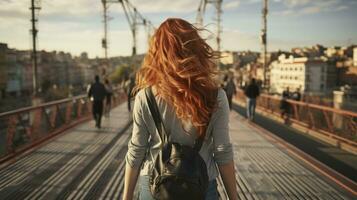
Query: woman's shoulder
point(221, 93)
point(140, 95)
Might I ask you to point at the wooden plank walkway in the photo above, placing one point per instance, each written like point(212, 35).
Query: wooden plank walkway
point(85, 163)
point(265, 170)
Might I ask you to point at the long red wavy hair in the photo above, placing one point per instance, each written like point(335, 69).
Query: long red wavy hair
point(179, 63)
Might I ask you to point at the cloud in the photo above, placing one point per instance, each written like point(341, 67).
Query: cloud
point(237, 40)
point(231, 5)
point(159, 6)
point(76, 25)
point(14, 9)
point(310, 10)
point(84, 9)
point(342, 7)
point(294, 3)
point(308, 7)
point(72, 8)
point(75, 38)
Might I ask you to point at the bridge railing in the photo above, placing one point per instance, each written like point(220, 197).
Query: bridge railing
point(335, 123)
point(26, 127)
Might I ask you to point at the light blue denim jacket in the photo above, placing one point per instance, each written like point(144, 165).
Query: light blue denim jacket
point(145, 140)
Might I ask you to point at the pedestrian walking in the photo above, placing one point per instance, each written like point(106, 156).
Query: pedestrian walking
point(296, 95)
point(180, 108)
point(284, 104)
point(251, 92)
point(231, 90)
point(295, 108)
point(129, 91)
point(97, 92)
point(109, 96)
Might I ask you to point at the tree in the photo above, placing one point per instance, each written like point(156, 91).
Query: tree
point(121, 74)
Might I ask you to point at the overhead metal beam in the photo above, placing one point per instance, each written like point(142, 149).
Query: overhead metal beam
point(35, 7)
point(134, 19)
point(200, 15)
point(263, 38)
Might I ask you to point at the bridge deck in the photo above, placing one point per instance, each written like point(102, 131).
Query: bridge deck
point(86, 163)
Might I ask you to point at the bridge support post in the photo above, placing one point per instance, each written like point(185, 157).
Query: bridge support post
point(338, 98)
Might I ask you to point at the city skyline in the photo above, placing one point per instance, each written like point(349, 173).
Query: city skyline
point(76, 27)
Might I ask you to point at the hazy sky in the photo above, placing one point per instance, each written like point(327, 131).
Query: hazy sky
point(76, 25)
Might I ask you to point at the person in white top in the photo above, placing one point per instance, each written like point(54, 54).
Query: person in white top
point(180, 69)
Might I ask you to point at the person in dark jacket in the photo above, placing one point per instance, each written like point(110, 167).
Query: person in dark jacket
point(284, 104)
point(230, 89)
point(251, 92)
point(98, 92)
point(296, 95)
point(130, 89)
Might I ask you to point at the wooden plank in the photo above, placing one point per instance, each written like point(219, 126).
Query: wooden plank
point(259, 158)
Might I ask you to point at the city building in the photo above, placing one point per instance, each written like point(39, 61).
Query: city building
point(240, 58)
point(228, 57)
point(14, 74)
point(312, 75)
point(335, 51)
point(314, 51)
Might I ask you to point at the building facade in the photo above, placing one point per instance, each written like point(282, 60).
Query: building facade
point(228, 57)
point(311, 75)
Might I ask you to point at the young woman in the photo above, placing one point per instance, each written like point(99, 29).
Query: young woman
point(179, 69)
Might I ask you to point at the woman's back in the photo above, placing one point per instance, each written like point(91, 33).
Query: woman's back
point(145, 134)
point(179, 67)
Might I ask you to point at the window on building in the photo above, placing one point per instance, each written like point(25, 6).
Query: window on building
point(321, 86)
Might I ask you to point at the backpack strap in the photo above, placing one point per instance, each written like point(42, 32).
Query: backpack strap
point(158, 121)
point(198, 143)
point(156, 114)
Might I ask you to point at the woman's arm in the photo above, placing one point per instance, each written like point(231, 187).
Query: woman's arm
point(137, 147)
point(131, 177)
point(229, 179)
point(223, 150)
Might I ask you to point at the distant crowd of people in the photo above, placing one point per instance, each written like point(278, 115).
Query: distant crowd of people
point(285, 106)
point(252, 92)
point(102, 95)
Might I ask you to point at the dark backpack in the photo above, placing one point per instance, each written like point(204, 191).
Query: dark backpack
point(178, 171)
